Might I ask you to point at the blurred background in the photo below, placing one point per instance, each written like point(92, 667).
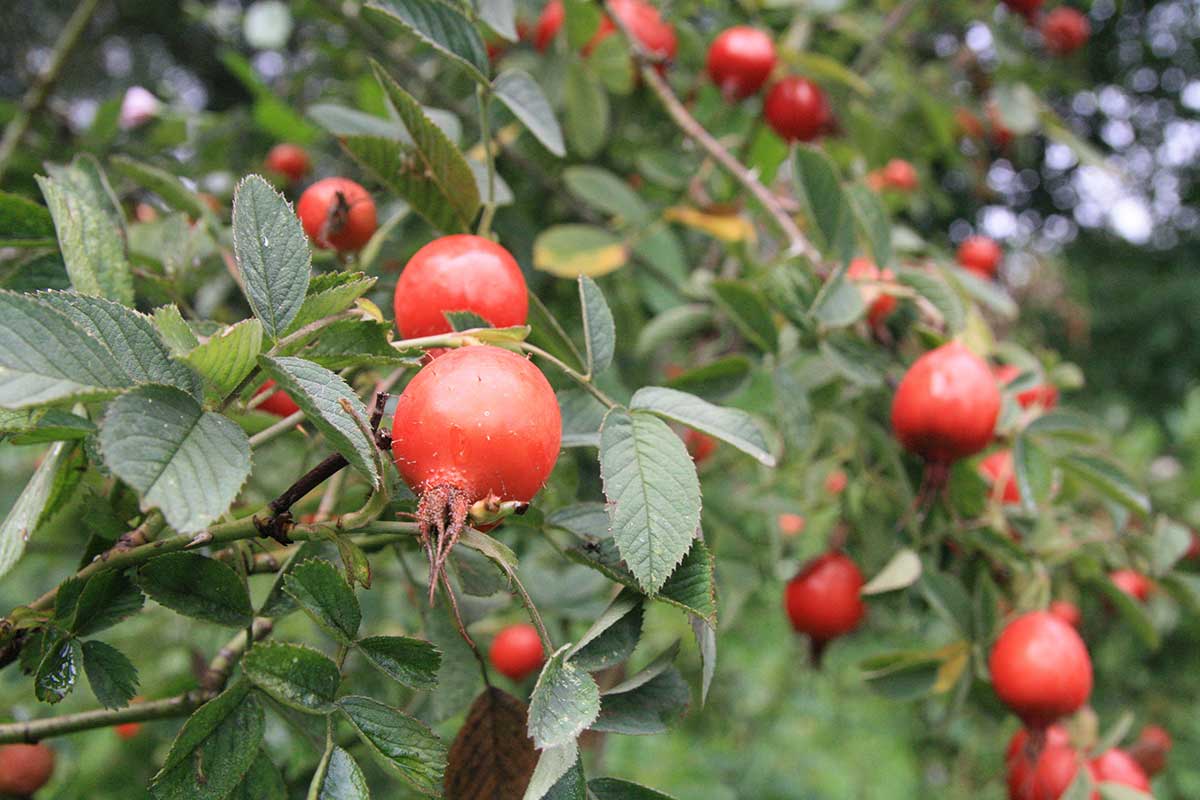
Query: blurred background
point(1099, 216)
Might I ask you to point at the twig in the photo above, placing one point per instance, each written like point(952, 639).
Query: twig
point(798, 244)
point(578, 377)
point(276, 430)
point(871, 50)
point(36, 96)
point(484, 96)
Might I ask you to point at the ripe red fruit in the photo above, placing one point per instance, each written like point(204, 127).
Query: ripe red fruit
point(997, 469)
point(835, 482)
point(879, 304)
point(549, 22)
point(790, 524)
point(1117, 766)
point(1044, 396)
point(1049, 777)
point(459, 273)
point(278, 402)
point(1132, 583)
point(517, 651)
point(288, 160)
point(25, 768)
point(1001, 135)
point(477, 423)
point(1022, 755)
point(898, 174)
point(946, 405)
point(740, 60)
point(823, 601)
point(1151, 749)
point(128, 730)
point(700, 446)
point(1041, 668)
point(797, 110)
point(337, 214)
point(645, 23)
point(1026, 8)
point(1065, 30)
point(980, 255)
point(1066, 611)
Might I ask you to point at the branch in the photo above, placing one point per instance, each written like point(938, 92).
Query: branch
point(36, 96)
point(214, 681)
point(798, 244)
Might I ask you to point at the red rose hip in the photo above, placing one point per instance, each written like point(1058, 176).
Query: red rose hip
point(277, 402)
point(880, 304)
point(797, 110)
point(1041, 668)
point(516, 652)
point(823, 601)
point(1151, 749)
point(1066, 611)
point(1026, 8)
point(549, 22)
point(337, 214)
point(980, 255)
point(1116, 766)
point(289, 160)
point(1065, 30)
point(25, 768)
point(1132, 583)
point(946, 405)
point(997, 469)
point(740, 60)
point(459, 273)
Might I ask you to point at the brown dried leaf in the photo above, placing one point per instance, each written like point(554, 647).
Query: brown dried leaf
point(492, 757)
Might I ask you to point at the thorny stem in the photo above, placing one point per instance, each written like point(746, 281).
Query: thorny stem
point(798, 244)
point(578, 377)
point(36, 96)
point(484, 96)
point(214, 680)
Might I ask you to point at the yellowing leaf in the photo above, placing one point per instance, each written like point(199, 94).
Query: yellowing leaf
point(952, 668)
point(726, 227)
point(369, 309)
point(569, 251)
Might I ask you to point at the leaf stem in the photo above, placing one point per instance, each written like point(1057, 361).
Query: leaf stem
point(484, 96)
point(276, 430)
point(578, 377)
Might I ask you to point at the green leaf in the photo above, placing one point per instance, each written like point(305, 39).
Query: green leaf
point(604, 191)
point(438, 24)
point(198, 587)
point(1171, 542)
point(671, 326)
point(492, 756)
point(524, 98)
point(1065, 425)
point(716, 379)
point(565, 701)
point(188, 462)
point(653, 494)
point(113, 678)
point(22, 518)
point(227, 357)
point(341, 121)
point(500, 16)
point(57, 670)
point(649, 708)
point(610, 60)
point(91, 230)
point(44, 425)
point(272, 253)
point(572, 250)
point(215, 749)
point(946, 595)
point(412, 662)
point(612, 637)
point(320, 590)
point(261, 782)
point(940, 296)
point(599, 331)
point(174, 330)
point(24, 223)
point(275, 117)
point(901, 676)
point(821, 189)
point(46, 357)
point(985, 292)
point(558, 775)
point(582, 415)
point(1108, 479)
point(706, 644)
point(342, 779)
point(41, 271)
point(616, 789)
point(1130, 610)
point(586, 110)
point(1032, 472)
point(105, 599)
point(855, 360)
point(839, 302)
point(320, 393)
point(873, 221)
point(295, 675)
point(727, 424)
point(356, 343)
point(162, 183)
point(748, 310)
point(901, 571)
point(129, 336)
point(407, 746)
point(330, 293)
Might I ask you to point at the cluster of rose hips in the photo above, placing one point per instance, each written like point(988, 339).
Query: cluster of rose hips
point(1064, 29)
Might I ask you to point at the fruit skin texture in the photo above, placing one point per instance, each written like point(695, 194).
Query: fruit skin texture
point(1041, 668)
point(1117, 766)
point(337, 214)
point(517, 651)
point(980, 255)
point(549, 22)
point(25, 768)
point(998, 468)
point(289, 160)
point(478, 419)
point(1044, 396)
point(1132, 583)
point(1151, 749)
point(946, 405)
point(278, 402)
point(879, 304)
point(1067, 612)
point(740, 60)
point(797, 110)
point(459, 273)
point(823, 600)
point(1065, 30)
